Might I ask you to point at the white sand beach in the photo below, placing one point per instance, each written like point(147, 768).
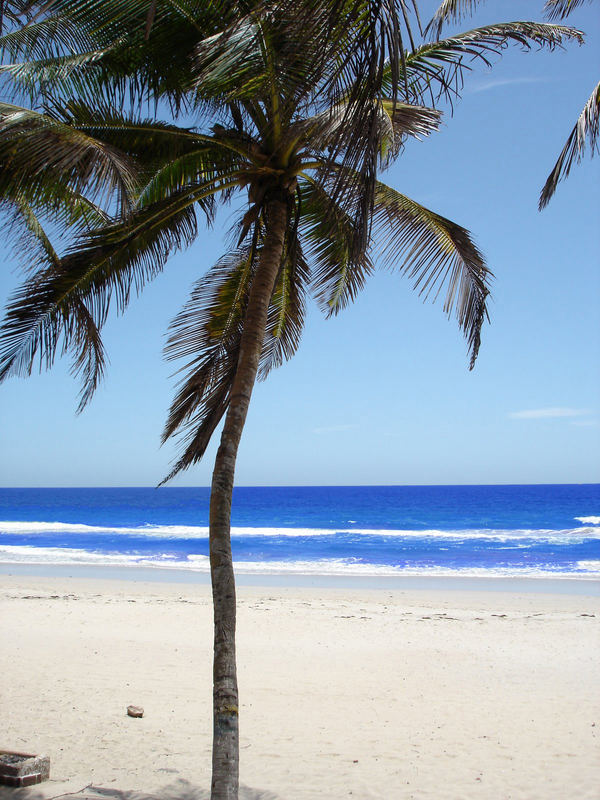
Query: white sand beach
point(369, 695)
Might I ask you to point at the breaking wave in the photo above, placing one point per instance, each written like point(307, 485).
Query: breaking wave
point(58, 556)
point(568, 536)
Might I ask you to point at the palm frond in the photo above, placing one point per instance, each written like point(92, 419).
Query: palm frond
point(25, 214)
point(108, 264)
point(138, 62)
point(584, 132)
point(450, 11)
point(24, 231)
point(560, 9)
point(285, 317)
point(50, 37)
point(456, 10)
point(78, 74)
point(406, 120)
point(395, 122)
point(339, 263)
point(207, 332)
point(160, 148)
point(231, 63)
point(13, 12)
point(436, 69)
point(434, 253)
point(81, 336)
point(38, 149)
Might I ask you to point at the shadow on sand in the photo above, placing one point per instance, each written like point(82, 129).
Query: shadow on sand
point(180, 790)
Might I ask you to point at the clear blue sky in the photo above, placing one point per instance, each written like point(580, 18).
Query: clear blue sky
point(382, 394)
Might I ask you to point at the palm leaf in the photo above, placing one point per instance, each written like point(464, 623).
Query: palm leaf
point(24, 231)
point(437, 68)
point(108, 263)
point(450, 11)
point(584, 132)
point(79, 74)
point(285, 317)
point(38, 149)
point(560, 9)
point(81, 336)
point(434, 253)
point(129, 61)
point(339, 264)
point(207, 332)
point(50, 37)
point(456, 10)
point(395, 122)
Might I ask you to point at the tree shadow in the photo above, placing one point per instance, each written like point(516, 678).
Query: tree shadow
point(180, 790)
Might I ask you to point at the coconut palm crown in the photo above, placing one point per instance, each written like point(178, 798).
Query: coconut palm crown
point(128, 119)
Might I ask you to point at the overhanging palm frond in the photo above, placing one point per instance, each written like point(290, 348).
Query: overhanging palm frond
point(339, 263)
point(82, 336)
point(560, 9)
point(395, 122)
point(434, 253)
point(169, 157)
point(285, 318)
point(50, 37)
point(130, 56)
point(370, 40)
point(450, 11)
point(24, 230)
point(456, 10)
point(109, 263)
point(38, 149)
point(82, 339)
point(207, 332)
point(15, 11)
point(103, 18)
point(585, 132)
point(232, 61)
point(437, 68)
point(148, 140)
point(78, 74)
point(66, 211)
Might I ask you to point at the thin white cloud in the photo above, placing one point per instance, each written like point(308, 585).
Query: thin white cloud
point(548, 413)
point(585, 423)
point(334, 428)
point(499, 82)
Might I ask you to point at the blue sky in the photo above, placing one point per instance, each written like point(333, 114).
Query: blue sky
point(382, 393)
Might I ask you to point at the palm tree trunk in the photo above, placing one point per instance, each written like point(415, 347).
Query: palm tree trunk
point(225, 761)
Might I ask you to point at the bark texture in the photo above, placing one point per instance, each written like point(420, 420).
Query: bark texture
point(225, 760)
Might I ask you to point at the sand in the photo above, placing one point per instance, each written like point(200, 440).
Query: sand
point(368, 695)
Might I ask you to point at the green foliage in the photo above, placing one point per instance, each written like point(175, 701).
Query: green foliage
point(133, 115)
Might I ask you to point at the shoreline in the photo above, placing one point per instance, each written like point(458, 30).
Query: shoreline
point(584, 585)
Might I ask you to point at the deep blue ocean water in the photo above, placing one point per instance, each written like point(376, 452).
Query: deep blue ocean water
point(366, 530)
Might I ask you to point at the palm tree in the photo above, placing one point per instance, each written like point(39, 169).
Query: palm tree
point(295, 108)
point(586, 130)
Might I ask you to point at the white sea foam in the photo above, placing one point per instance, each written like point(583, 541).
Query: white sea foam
point(58, 556)
point(571, 536)
point(166, 531)
point(63, 555)
point(348, 567)
point(590, 564)
point(589, 520)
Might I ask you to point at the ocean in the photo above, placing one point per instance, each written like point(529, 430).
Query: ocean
point(485, 531)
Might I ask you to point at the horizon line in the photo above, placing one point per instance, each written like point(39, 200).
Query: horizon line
point(314, 485)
